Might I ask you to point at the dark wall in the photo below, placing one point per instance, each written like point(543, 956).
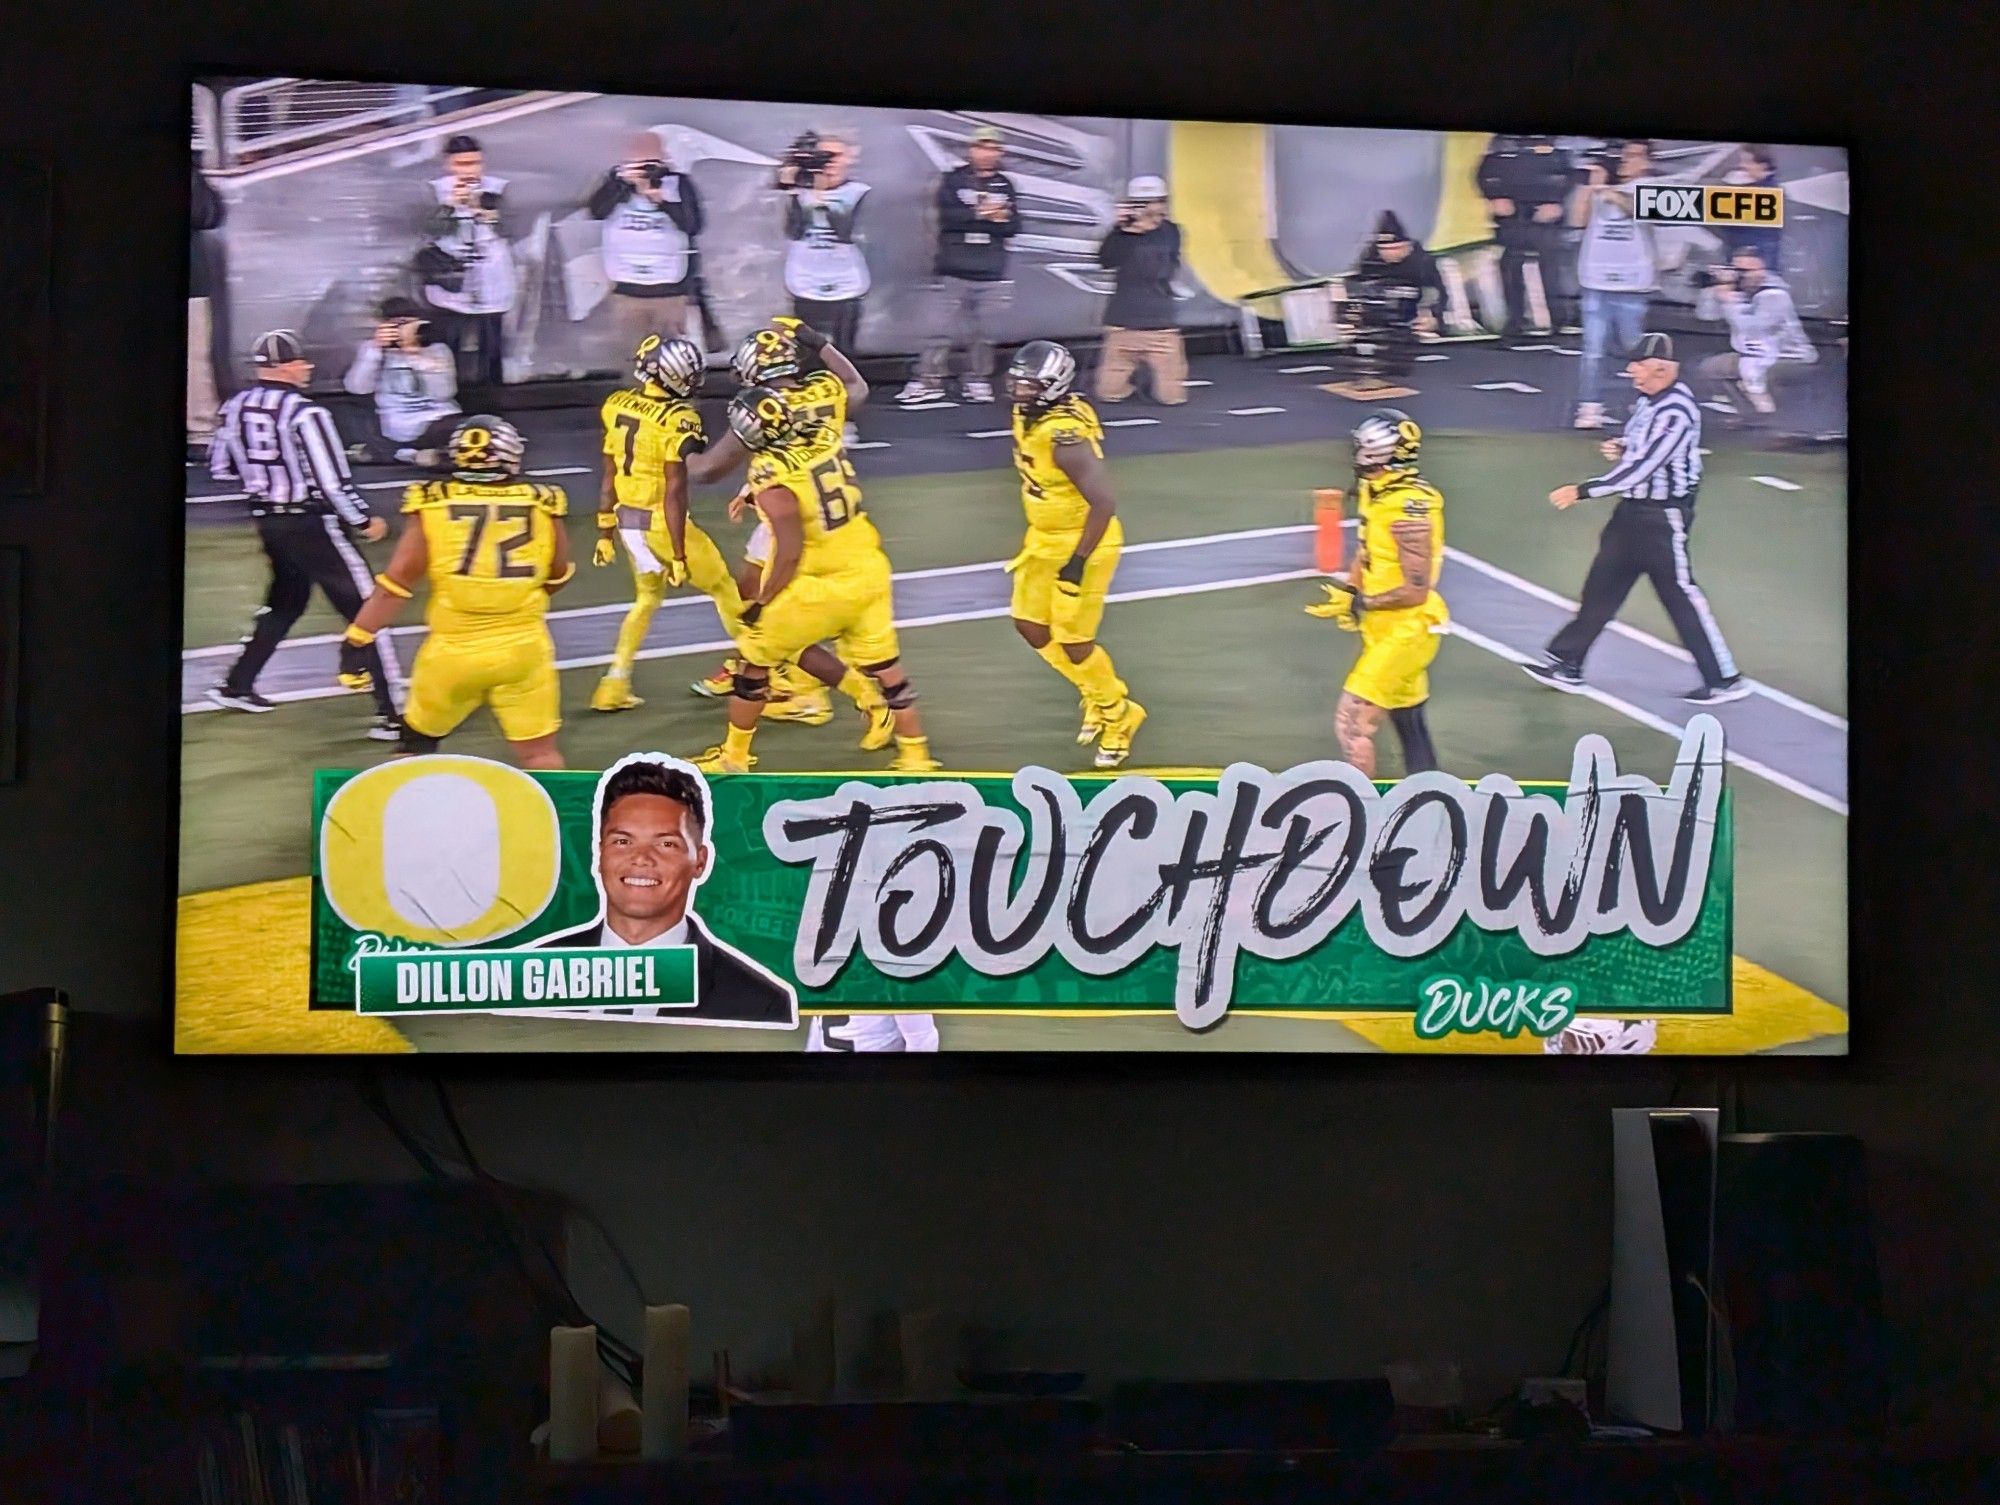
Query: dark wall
point(1299, 1218)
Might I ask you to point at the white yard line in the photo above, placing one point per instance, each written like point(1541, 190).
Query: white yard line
point(1660, 724)
point(558, 470)
point(1479, 640)
point(1252, 412)
point(1637, 635)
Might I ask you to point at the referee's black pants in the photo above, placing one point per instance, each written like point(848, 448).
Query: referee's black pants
point(1647, 539)
point(308, 549)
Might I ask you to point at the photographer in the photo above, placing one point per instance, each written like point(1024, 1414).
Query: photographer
point(1617, 267)
point(1393, 294)
point(466, 266)
point(825, 271)
point(977, 215)
point(205, 217)
point(1767, 343)
point(1525, 181)
point(1757, 167)
point(651, 214)
point(414, 379)
point(1142, 252)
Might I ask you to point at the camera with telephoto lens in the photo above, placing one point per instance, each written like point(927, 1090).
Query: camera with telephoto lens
point(806, 157)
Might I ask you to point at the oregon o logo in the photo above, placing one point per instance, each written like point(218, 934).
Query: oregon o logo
point(442, 850)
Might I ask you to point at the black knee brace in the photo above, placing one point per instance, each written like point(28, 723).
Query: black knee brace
point(1413, 730)
point(901, 698)
point(751, 686)
point(414, 742)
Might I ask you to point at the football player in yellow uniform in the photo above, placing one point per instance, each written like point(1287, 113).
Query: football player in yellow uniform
point(494, 549)
point(828, 579)
point(772, 357)
point(1074, 539)
point(1389, 595)
point(649, 430)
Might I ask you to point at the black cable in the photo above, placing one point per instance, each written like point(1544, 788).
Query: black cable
point(559, 1306)
point(1582, 1331)
point(609, 1344)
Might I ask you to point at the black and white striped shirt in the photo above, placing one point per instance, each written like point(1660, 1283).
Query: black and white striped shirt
point(1662, 457)
point(283, 448)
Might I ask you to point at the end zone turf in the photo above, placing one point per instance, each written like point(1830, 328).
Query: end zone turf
point(235, 996)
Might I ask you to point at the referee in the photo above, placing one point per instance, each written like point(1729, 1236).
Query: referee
point(1655, 474)
point(283, 448)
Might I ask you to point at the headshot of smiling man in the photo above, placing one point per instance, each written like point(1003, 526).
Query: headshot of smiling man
point(652, 853)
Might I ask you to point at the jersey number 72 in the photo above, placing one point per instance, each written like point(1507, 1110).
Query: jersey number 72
point(505, 565)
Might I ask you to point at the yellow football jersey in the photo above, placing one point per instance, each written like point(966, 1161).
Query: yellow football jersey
point(492, 549)
point(1382, 503)
point(1052, 502)
point(643, 435)
point(837, 530)
point(819, 400)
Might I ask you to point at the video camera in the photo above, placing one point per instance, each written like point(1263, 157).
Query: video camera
point(806, 157)
point(656, 171)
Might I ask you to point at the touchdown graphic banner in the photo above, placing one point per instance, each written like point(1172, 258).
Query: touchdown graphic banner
point(1304, 891)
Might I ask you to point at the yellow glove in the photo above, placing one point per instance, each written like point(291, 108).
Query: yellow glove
point(1338, 607)
point(1017, 561)
point(605, 552)
point(677, 572)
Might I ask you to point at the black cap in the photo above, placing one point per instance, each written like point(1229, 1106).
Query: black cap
point(1389, 226)
point(456, 145)
point(1654, 346)
point(278, 347)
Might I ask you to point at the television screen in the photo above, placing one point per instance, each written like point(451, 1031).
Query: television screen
point(701, 575)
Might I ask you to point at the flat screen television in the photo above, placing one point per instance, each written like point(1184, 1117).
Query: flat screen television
point(707, 575)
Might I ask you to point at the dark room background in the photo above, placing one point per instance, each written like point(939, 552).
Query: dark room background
point(1220, 1218)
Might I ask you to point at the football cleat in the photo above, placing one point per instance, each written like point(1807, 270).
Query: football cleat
point(1093, 725)
point(240, 700)
point(716, 760)
point(720, 684)
point(915, 760)
point(975, 390)
point(614, 693)
point(919, 390)
point(812, 707)
point(1114, 746)
point(881, 727)
point(384, 729)
point(358, 680)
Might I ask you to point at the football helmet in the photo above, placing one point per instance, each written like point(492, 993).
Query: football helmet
point(485, 448)
point(675, 364)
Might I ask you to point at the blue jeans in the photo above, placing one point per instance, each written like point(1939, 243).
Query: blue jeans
point(1607, 317)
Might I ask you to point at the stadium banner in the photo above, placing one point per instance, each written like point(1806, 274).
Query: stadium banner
point(1471, 907)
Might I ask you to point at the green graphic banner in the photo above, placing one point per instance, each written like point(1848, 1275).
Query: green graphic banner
point(1310, 891)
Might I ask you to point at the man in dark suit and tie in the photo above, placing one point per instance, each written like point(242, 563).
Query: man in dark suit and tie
point(652, 851)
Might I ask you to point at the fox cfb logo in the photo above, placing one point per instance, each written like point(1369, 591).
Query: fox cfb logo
point(1709, 204)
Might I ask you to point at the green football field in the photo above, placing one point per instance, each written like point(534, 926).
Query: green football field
point(1230, 674)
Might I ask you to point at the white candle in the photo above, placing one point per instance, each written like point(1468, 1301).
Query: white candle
point(813, 1352)
point(572, 1394)
point(663, 1412)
